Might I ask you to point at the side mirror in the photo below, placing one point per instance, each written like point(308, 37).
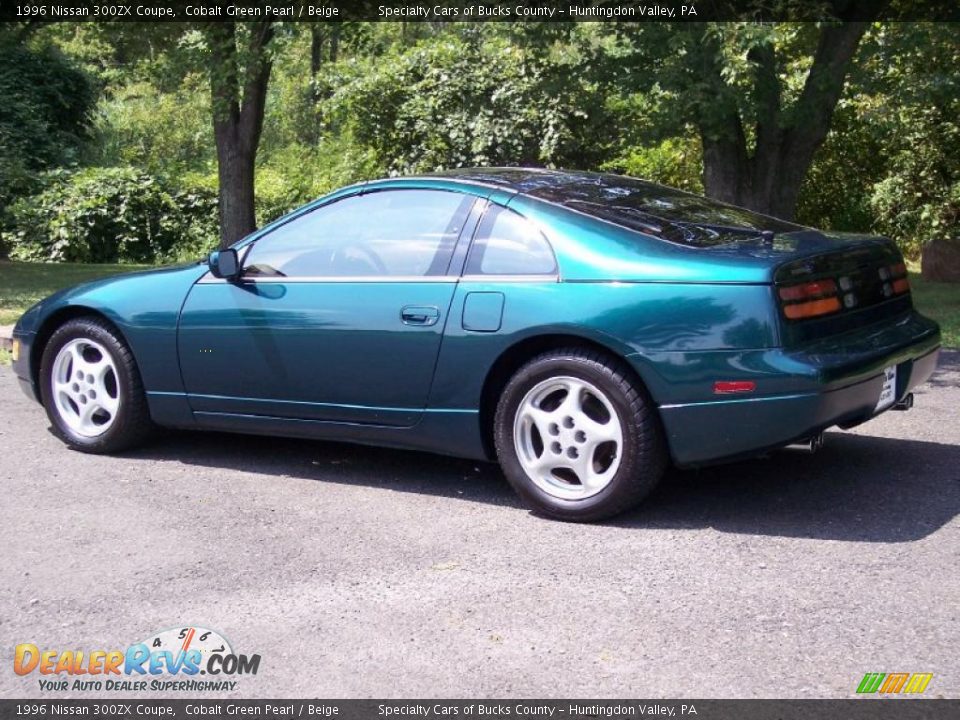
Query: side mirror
point(224, 264)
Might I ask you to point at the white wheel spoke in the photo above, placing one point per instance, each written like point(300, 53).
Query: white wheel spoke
point(108, 404)
point(86, 414)
point(600, 432)
point(77, 362)
point(546, 462)
point(100, 370)
point(540, 418)
point(583, 467)
point(571, 403)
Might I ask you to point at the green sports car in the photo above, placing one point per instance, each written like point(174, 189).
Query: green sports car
point(585, 330)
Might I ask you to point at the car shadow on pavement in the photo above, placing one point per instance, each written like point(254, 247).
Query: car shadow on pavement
point(857, 488)
point(948, 371)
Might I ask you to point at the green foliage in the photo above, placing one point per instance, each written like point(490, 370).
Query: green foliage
point(408, 97)
point(676, 162)
point(919, 201)
point(108, 215)
point(43, 115)
point(836, 192)
point(165, 133)
point(892, 161)
point(916, 66)
point(940, 301)
point(470, 99)
point(294, 175)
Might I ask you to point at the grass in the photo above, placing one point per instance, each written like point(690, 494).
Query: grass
point(23, 284)
point(940, 301)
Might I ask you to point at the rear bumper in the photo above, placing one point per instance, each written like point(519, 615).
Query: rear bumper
point(847, 374)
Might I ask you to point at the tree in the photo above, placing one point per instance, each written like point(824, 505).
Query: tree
point(239, 73)
point(742, 86)
point(769, 178)
point(473, 96)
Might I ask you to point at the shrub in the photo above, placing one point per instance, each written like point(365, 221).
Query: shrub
point(165, 133)
point(677, 162)
point(919, 201)
point(109, 215)
point(44, 115)
point(835, 195)
point(466, 101)
point(297, 174)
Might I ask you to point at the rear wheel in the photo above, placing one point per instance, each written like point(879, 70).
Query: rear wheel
point(576, 438)
point(91, 388)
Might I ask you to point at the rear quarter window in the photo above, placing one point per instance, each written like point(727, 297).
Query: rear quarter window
point(506, 243)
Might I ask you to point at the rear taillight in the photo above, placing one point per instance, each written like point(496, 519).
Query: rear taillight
point(810, 299)
point(894, 279)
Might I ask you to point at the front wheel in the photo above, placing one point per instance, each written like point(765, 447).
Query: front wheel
point(91, 388)
point(576, 438)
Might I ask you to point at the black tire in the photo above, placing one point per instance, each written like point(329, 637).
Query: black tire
point(643, 458)
point(132, 424)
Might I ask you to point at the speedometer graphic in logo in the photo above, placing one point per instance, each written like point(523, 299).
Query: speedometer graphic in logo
point(184, 639)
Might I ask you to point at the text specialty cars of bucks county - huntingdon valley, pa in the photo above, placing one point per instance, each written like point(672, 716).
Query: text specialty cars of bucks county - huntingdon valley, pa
point(585, 330)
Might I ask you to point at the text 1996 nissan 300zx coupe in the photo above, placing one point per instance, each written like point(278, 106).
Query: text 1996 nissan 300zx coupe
point(583, 329)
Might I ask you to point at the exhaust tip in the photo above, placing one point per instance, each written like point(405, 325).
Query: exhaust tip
point(906, 403)
point(810, 445)
point(816, 443)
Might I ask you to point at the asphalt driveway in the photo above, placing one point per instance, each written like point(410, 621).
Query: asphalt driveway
point(366, 572)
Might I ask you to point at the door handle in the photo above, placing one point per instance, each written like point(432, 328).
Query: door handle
point(419, 315)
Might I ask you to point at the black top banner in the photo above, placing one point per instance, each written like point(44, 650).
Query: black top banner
point(474, 10)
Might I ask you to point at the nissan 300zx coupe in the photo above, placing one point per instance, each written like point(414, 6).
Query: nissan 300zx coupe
point(585, 330)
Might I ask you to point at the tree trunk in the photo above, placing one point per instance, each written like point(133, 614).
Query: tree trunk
point(334, 42)
point(316, 49)
point(725, 161)
point(238, 96)
point(235, 172)
point(769, 179)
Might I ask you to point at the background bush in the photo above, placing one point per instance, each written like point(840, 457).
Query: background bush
point(109, 215)
point(471, 99)
point(45, 105)
point(676, 162)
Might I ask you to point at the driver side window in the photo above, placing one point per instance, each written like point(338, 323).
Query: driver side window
point(391, 233)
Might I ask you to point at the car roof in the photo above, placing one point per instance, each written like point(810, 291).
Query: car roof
point(648, 207)
point(537, 182)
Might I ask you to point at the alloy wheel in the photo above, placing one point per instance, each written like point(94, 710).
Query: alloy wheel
point(568, 438)
point(85, 387)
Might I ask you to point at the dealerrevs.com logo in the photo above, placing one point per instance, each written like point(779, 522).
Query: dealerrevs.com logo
point(185, 659)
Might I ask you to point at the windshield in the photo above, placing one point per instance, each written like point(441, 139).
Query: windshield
point(668, 213)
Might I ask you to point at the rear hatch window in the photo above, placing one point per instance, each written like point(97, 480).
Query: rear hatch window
point(666, 213)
